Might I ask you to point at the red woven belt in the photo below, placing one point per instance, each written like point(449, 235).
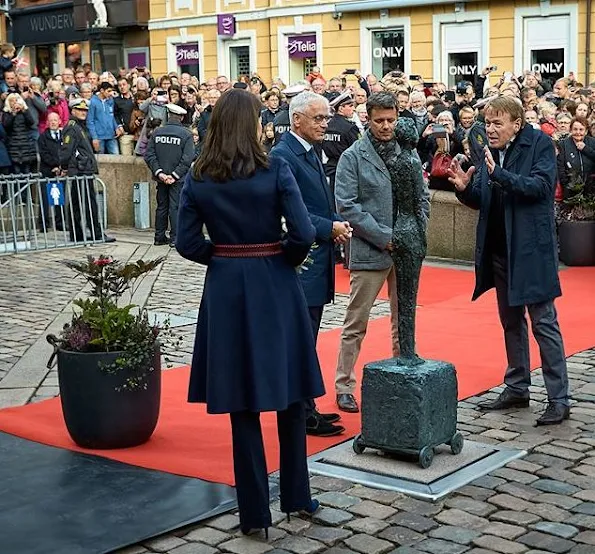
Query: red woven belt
point(247, 250)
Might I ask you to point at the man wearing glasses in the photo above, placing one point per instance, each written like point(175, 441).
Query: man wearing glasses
point(309, 117)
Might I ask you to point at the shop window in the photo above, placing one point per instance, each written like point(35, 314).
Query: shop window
point(462, 66)
point(239, 59)
point(388, 51)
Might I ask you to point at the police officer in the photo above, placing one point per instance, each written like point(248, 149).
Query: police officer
point(281, 122)
point(77, 159)
point(170, 152)
point(340, 134)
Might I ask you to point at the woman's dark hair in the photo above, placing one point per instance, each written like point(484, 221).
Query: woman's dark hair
point(231, 148)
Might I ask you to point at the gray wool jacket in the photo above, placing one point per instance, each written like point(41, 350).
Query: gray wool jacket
point(363, 193)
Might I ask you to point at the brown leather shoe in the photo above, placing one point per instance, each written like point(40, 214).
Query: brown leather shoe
point(347, 403)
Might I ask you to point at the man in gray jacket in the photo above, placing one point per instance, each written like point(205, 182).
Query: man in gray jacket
point(363, 193)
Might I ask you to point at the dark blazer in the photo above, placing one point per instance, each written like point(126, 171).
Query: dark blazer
point(571, 160)
point(319, 278)
point(49, 153)
point(528, 181)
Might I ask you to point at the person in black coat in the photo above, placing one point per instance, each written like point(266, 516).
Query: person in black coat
point(170, 152)
point(254, 350)
point(18, 122)
point(77, 159)
point(516, 251)
point(576, 158)
point(49, 144)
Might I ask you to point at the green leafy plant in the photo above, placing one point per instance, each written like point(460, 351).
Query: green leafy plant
point(579, 204)
point(103, 323)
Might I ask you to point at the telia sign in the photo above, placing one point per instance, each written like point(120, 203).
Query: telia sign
point(302, 46)
point(226, 25)
point(187, 54)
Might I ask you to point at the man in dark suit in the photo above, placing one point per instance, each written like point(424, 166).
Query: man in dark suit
point(309, 116)
point(49, 166)
point(516, 250)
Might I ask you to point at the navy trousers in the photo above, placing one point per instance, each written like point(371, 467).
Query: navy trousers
point(315, 319)
point(252, 486)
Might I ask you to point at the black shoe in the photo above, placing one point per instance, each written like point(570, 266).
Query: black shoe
point(161, 242)
point(347, 403)
point(317, 426)
point(107, 238)
point(172, 243)
point(330, 418)
point(554, 413)
point(254, 530)
point(505, 401)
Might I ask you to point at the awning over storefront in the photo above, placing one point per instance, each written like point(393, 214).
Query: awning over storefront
point(46, 24)
point(373, 5)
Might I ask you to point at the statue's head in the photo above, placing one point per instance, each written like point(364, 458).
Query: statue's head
point(406, 132)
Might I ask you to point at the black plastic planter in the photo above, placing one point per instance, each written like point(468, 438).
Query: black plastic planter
point(577, 242)
point(99, 416)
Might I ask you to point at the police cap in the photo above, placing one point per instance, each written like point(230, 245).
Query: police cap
point(294, 90)
point(175, 109)
point(78, 104)
point(344, 99)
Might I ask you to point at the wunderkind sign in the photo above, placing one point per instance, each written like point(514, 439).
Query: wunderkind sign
point(45, 26)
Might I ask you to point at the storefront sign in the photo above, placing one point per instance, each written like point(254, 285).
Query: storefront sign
point(43, 25)
point(547, 67)
point(462, 70)
point(388, 52)
point(302, 46)
point(187, 54)
point(136, 59)
point(226, 25)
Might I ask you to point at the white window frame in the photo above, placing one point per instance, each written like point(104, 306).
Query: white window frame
point(439, 54)
point(283, 33)
point(367, 26)
point(183, 38)
point(137, 50)
point(241, 38)
point(183, 5)
point(545, 10)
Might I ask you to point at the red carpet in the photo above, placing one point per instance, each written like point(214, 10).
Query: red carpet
point(450, 327)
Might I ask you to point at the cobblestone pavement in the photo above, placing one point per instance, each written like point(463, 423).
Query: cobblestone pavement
point(543, 503)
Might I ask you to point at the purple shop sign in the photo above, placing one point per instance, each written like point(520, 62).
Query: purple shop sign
point(136, 59)
point(187, 54)
point(301, 46)
point(226, 25)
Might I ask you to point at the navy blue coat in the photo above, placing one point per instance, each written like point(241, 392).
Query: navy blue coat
point(319, 278)
point(5, 160)
point(528, 181)
point(254, 347)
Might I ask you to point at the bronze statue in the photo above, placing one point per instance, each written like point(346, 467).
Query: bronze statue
point(409, 234)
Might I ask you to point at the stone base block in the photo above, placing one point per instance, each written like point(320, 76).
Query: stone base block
point(409, 409)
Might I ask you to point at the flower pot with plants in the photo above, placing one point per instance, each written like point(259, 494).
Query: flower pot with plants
point(109, 359)
point(576, 232)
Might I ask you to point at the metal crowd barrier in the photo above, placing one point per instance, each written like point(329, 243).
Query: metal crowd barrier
point(41, 213)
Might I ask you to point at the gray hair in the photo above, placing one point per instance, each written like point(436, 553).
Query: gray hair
point(303, 100)
point(36, 82)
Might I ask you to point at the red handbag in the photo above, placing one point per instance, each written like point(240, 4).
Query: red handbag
point(440, 164)
point(559, 196)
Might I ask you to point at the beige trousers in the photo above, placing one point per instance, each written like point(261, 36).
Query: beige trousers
point(364, 288)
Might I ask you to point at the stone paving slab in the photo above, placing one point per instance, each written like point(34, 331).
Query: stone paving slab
point(542, 504)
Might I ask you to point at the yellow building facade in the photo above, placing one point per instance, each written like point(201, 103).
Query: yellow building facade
point(441, 41)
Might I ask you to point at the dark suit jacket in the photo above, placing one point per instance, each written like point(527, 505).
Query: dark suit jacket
point(49, 153)
point(318, 280)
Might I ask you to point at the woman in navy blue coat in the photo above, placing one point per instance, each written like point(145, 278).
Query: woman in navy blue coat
point(254, 348)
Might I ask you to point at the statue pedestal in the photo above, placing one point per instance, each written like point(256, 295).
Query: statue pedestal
point(409, 410)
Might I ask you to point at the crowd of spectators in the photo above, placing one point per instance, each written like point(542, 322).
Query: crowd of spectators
point(126, 107)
